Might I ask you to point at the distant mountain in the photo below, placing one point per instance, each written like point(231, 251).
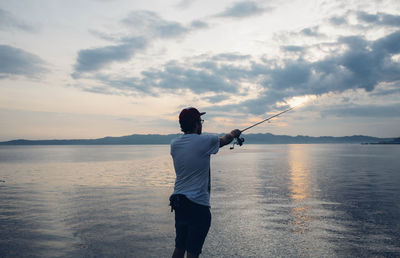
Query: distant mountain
point(130, 139)
point(165, 139)
point(301, 139)
point(391, 141)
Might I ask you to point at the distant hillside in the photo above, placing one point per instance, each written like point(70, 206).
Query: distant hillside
point(130, 139)
point(391, 141)
point(165, 139)
point(300, 139)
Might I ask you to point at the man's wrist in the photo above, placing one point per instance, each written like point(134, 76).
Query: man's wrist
point(230, 136)
point(234, 134)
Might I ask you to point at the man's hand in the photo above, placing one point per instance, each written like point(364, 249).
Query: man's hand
point(228, 138)
point(236, 133)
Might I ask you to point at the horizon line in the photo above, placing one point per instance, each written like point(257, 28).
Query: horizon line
point(156, 134)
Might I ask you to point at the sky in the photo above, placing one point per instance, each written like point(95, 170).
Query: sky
point(96, 68)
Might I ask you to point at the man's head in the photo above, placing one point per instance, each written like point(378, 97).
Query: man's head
point(190, 120)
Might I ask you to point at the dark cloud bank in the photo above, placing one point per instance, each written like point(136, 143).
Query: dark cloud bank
point(362, 65)
point(242, 9)
point(367, 19)
point(145, 27)
point(98, 58)
point(368, 111)
point(15, 61)
point(8, 21)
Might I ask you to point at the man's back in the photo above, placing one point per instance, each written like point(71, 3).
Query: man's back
point(191, 156)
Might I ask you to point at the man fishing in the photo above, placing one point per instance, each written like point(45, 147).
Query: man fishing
point(191, 197)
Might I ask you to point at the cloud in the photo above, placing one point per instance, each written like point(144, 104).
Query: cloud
point(15, 61)
point(364, 65)
point(184, 4)
point(9, 21)
point(365, 20)
point(337, 20)
point(96, 58)
point(148, 23)
point(350, 110)
point(300, 35)
point(216, 98)
point(311, 32)
point(291, 48)
point(388, 45)
point(144, 28)
point(178, 76)
point(124, 85)
point(292, 74)
point(242, 9)
point(361, 64)
point(197, 24)
point(174, 77)
point(110, 37)
point(382, 19)
point(387, 90)
point(230, 57)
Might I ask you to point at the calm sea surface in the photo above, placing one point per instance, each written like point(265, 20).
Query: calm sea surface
point(267, 201)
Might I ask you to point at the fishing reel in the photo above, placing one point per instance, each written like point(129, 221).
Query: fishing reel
point(238, 140)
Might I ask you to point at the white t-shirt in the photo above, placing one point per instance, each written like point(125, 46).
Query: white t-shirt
point(191, 155)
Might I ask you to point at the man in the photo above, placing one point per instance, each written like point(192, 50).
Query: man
point(191, 198)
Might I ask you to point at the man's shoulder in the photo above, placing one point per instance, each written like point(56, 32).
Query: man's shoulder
point(174, 140)
point(208, 140)
point(209, 136)
point(180, 139)
point(189, 137)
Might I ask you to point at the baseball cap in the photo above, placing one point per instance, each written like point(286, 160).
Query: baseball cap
point(190, 114)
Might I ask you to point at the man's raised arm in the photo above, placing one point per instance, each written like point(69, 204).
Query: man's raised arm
point(228, 138)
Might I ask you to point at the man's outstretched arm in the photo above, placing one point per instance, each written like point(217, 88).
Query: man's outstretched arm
point(228, 138)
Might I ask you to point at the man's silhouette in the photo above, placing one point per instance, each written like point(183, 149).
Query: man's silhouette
point(191, 198)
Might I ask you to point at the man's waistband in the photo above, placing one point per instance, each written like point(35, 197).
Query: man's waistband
point(177, 201)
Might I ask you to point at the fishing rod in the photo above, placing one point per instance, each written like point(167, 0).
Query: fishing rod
point(239, 140)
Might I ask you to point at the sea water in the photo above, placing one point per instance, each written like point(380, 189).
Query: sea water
point(334, 200)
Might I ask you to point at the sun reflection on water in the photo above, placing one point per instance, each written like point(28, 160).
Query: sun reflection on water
point(299, 188)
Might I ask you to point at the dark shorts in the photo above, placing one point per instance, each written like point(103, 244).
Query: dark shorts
point(192, 222)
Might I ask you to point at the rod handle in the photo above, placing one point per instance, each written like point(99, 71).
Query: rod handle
point(239, 141)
